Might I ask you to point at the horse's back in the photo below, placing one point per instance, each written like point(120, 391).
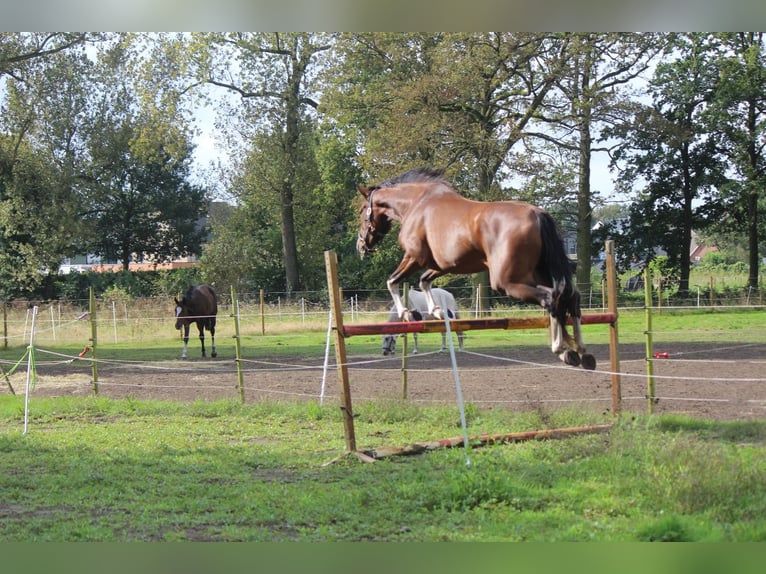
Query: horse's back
point(459, 235)
point(204, 300)
point(418, 299)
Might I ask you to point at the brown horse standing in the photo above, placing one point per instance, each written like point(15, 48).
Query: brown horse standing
point(443, 232)
point(198, 305)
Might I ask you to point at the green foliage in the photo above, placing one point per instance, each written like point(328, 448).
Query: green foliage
point(162, 283)
point(95, 158)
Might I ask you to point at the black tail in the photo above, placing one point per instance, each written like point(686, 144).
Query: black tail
point(554, 262)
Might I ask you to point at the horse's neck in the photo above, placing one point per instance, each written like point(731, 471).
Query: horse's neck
point(395, 203)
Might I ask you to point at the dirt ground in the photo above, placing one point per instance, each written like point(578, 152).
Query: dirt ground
point(707, 380)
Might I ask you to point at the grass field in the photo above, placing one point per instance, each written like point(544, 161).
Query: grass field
point(93, 469)
point(99, 470)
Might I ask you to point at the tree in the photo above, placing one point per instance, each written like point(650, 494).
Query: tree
point(244, 250)
point(739, 112)
point(42, 155)
point(600, 65)
point(274, 75)
point(461, 101)
point(672, 155)
point(141, 208)
point(20, 50)
point(139, 201)
point(33, 219)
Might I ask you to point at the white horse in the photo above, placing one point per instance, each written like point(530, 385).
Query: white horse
point(416, 300)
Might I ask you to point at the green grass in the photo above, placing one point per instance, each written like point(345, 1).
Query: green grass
point(92, 469)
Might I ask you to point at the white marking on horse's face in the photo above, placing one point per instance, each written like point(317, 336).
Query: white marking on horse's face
point(179, 321)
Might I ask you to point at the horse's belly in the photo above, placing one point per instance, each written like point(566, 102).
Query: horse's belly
point(466, 263)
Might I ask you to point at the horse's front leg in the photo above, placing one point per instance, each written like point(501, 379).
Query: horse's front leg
point(406, 266)
point(434, 309)
point(401, 310)
point(186, 341)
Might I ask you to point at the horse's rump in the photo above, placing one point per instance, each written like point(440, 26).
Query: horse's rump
point(555, 263)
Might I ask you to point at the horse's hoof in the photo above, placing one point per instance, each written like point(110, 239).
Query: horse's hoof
point(571, 358)
point(414, 316)
point(214, 355)
point(588, 361)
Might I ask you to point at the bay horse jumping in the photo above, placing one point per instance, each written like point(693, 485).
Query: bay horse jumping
point(198, 305)
point(417, 299)
point(443, 232)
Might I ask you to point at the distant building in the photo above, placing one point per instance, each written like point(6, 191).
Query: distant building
point(699, 249)
point(85, 263)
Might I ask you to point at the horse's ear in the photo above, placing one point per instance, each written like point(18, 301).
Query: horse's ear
point(178, 303)
point(365, 191)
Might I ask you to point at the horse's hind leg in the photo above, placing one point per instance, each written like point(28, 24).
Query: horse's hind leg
point(202, 340)
point(212, 341)
point(542, 295)
point(558, 346)
point(587, 360)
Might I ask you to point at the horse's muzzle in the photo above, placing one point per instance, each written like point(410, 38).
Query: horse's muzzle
point(361, 247)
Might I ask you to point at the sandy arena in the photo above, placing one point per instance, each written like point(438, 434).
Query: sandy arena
point(706, 380)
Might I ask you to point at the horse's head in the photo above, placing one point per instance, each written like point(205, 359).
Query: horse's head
point(181, 312)
point(373, 223)
point(389, 345)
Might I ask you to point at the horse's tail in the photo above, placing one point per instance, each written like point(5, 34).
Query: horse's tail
point(554, 262)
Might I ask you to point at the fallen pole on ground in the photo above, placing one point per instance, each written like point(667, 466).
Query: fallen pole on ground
point(483, 440)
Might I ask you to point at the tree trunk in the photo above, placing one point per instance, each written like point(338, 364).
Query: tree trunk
point(292, 135)
point(582, 111)
point(584, 210)
point(752, 196)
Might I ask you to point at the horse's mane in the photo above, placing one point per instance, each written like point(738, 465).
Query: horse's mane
point(417, 175)
point(187, 297)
